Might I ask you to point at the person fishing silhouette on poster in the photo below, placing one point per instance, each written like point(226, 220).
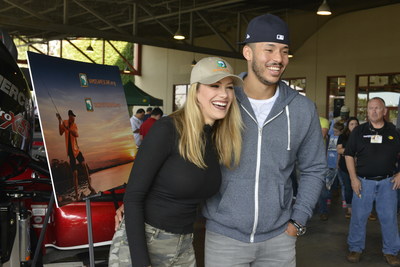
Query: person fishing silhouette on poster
point(70, 129)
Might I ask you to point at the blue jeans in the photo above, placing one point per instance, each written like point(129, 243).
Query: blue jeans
point(386, 207)
point(326, 190)
point(322, 205)
point(348, 191)
point(222, 251)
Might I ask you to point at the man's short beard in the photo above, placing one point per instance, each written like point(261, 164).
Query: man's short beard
point(259, 76)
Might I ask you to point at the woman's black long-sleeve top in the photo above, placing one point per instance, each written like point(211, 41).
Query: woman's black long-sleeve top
point(164, 190)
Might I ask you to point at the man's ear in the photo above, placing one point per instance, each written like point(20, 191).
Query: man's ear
point(247, 52)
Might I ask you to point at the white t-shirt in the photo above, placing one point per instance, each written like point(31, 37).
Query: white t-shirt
point(135, 124)
point(263, 107)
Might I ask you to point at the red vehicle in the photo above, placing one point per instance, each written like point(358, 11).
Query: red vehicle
point(67, 226)
point(26, 190)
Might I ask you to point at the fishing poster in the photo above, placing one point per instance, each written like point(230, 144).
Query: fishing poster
point(85, 125)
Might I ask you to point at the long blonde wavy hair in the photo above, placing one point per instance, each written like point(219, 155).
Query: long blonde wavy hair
point(227, 135)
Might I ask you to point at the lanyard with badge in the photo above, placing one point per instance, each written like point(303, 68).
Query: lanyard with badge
point(375, 138)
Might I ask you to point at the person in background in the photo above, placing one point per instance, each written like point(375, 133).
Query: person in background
point(344, 116)
point(156, 114)
point(324, 127)
point(352, 123)
point(371, 155)
point(332, 159)
point(136, 122)
point(176, 168)
point(252, 220)
point(148, 113)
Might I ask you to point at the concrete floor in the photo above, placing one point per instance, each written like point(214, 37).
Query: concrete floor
point(324, 244)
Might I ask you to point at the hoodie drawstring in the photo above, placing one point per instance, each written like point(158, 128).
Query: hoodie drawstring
point(288, 125)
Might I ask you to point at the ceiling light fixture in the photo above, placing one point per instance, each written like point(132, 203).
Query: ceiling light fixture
point(290, 55)
point(89, 49)
point(178, 35)
point(126, 69)
point(324, 9)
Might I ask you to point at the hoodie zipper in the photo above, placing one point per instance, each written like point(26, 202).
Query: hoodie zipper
point(258, 165)
point(256, 185)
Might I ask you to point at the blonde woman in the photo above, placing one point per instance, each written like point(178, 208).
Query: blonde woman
point(177, 167)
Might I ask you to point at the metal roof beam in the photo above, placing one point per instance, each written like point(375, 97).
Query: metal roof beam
point(94, 13)
point(156, 19)
point(65, 12)
point(174, 14)
point(27, 10)
point(215, 31)
point(79, 31)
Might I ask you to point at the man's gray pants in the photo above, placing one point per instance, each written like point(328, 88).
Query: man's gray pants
point(222, 251)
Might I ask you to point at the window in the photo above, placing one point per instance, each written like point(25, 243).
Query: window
point(336, 94)
point(385, 86)
point(125, 55)
point(298, 84)
point(179, 98)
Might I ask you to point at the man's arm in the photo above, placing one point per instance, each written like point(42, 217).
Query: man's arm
point(396, 176)
point(135, 126)
point(351, 168)
point(396, 181)
point(61, 127)
point(324, 133)
point(340, 149)
point(312, 166)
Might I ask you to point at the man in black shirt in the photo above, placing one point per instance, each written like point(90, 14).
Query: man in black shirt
point(371, 156)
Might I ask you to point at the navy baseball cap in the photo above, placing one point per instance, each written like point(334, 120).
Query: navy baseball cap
point(267, 28)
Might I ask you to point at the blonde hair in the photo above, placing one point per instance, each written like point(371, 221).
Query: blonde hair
point(227, 136)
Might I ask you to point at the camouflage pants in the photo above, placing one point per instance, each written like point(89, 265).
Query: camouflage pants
point(165, 249)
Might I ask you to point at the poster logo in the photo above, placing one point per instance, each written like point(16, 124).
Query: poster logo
point(83, 79)
point(89, 104)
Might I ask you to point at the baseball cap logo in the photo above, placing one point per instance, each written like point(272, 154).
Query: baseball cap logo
point(221, 64)
point(280, 37)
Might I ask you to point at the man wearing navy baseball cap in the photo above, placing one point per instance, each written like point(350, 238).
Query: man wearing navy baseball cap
point(252, 221)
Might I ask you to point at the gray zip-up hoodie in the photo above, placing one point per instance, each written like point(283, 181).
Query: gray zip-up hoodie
point(254, 202)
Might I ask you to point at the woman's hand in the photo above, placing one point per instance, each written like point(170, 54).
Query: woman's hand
point(119, 213)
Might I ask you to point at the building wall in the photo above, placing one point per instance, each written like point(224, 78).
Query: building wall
point(364, 42)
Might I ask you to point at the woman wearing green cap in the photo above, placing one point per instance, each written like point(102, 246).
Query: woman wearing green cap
point(176, 168)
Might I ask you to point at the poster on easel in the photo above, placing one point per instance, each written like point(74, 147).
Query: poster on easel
point(85, 125)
